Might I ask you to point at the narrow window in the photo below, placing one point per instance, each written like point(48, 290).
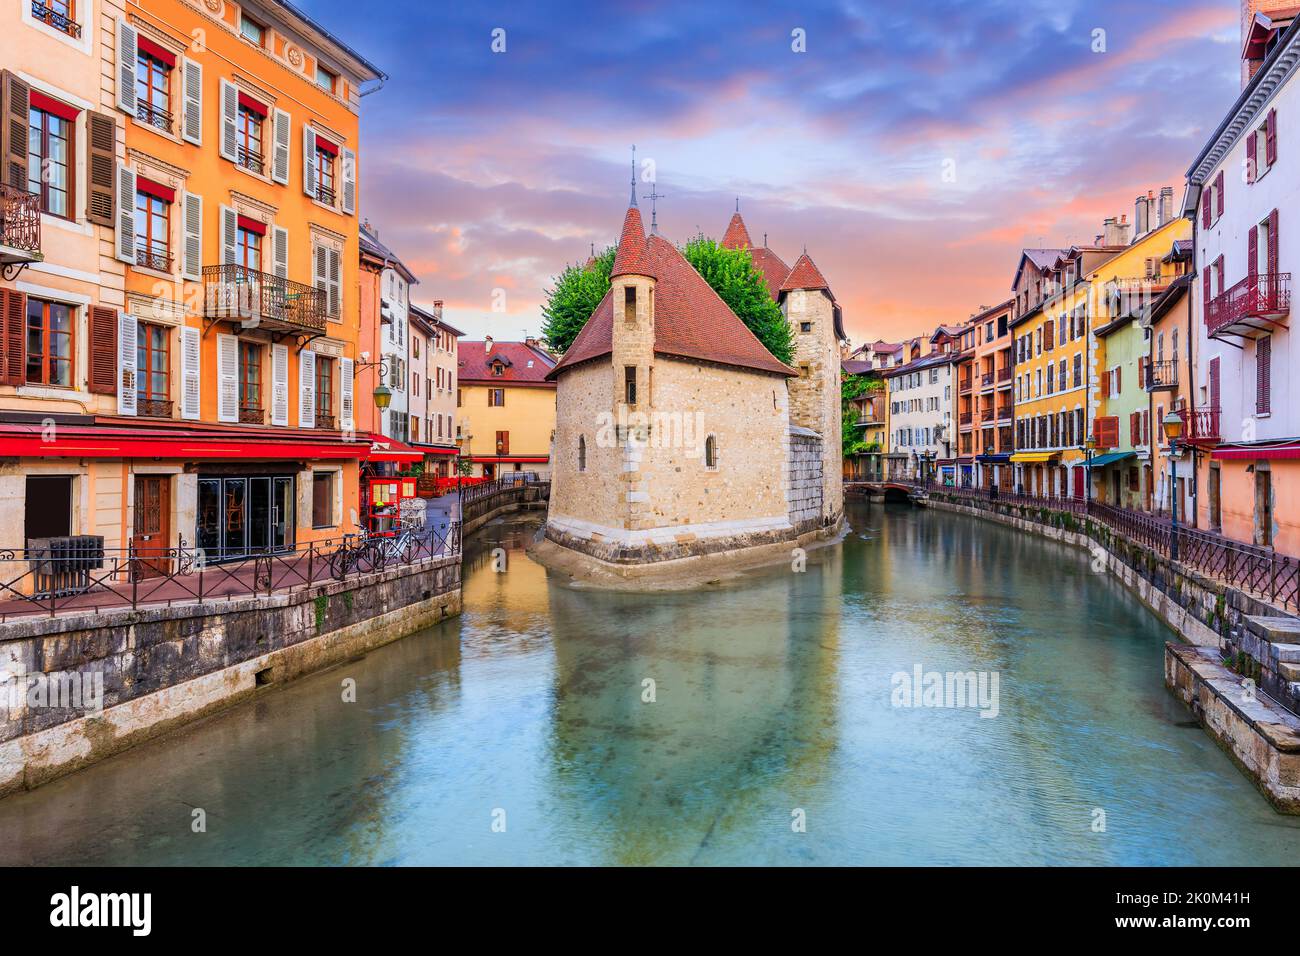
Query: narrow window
point(324, 392)
point(250, 383)
point(152, 231)
point(711, 452)
point(50, 146)
point(322, 499)
point(152, 90)
point(629, 303)
point(49, 343)
point(249, 138)
point(582, 453)
point(629, 384)
point(153, 368)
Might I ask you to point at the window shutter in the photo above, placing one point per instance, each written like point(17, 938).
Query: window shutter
point(346, 422)
point(1119, 379)
point(227, 378)
point(280, 385)
point(127, 52)
point(229, 121)
point(102, 379)
point(229, 229)
point(1251, 141)
point(1205, 288)
point(1263, 370)
point(308, 160)
point(1218, 192)
point(349, 181)
point(191, 373)
point(125, 214)
point(280, 251)
point(306, 389)
point(126, 371)
point(1144, 422)
point(1272, 248)
point(1270, 138)
point(1205, 206)
point(192, 236)
point(1105, 384)
point(13, 129)
point(1134, 429)
point(283, 135)
point(335, 284)
point(192, 108)
point(13, 336)
point(1252, 251)
point(1214, 383)
point(1048, 335)
point(101, 156)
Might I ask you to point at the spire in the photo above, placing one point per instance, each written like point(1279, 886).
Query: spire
point(632, 257)
point(804, 275)
point(736, 236)
point(633, 202)
point(654, 196)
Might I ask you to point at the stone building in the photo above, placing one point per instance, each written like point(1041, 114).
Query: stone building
point(677, 433)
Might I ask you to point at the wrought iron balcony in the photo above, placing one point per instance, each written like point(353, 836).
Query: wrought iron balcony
point(1005, 412)
point(325, 194)
point(964, 384)
point(153, 408)
point(152, 115)
point(325, 420)
point(20, 229)
point(60, 21)
point(1253, 307)
point(1200, 424)
point(986, 380)
point(964, 418)
point(251, 415)
point(1005, 374)
point(986, 413)
point(237, 294)
point(250, 160)
point(1162, 376)
point(153, 257)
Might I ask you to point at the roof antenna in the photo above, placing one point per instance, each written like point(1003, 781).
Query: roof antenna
point(737, 204)
point(654, 195)
point(634, 174)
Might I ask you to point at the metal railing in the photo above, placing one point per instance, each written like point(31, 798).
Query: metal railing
point(1200, 424)
point(157, 258)
point(1161, 375)
point(250, 160)
point(60, 21)
point(1005, 374)
point(241, 294)
point(1257, 296)
point(478, 499)
point(165, 577)
point(152, 115)
point(20, 219)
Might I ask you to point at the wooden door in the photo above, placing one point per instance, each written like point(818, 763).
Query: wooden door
point(152, 527)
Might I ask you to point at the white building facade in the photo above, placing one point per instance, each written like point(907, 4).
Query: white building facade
point(920, 418)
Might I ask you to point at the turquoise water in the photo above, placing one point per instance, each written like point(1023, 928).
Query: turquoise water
point(772, 704)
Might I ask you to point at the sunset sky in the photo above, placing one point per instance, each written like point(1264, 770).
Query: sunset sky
point(492, 171)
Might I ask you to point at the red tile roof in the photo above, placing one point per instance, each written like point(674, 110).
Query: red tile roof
point(736, 236)
point(804, 275)
point(476, 363)
point(772, 267)
point(691, 321)
point(631, 256)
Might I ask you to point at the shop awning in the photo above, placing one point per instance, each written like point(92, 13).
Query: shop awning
point(435, 449)
point(390, 449)
point(185, 444)
point(1101, 461)
point(1000, 459)
point(1033, 457)
point(1286, 449)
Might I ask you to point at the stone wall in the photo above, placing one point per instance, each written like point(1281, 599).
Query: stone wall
point(164, 667)
point(815, 401)
point(806, 478)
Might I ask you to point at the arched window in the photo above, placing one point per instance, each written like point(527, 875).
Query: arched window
point(582, 453)
point(711, 452)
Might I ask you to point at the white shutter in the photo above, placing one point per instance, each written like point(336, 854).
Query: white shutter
point(306, 389)
point(125, 213)
point(346, 422)
point(320, 270)
point(283, 130)
point(280, 385)
point(192, 234)
point(126, 358)
point(349, 181)
point(309, 160)
point(127, 53)
point(192, 107)
point(229, 235)
point(280, 251)
point(191, 378)
point(227, 378)
point(229, 121)
point(335, 284)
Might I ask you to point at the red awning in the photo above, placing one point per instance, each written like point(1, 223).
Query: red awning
point(435, 449)
point(248, 103)
point(252, 225)
point(1289, 449)
point(28, 441)
point(48, 104)
point(507, 459)
point(322, 143)
point(165, 193)
point(390, 449)
point(157, 51)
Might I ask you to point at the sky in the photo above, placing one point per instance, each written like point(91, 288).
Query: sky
point(912, 148)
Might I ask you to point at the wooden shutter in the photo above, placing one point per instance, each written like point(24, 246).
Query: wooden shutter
point(280, 385)
point(191, 373)
point(1270, 138)
point(191, 236)
point(1143, 362)
point(13, 336)
point(1049, 330)
point(229, 121)
point(1205, 206)
point(13, 132)
point(282, 136)
point(102, 379)
point(1105, 384)
point(1218, 192)
point(308, 160)
point(126, 370)
point(1252, 251)
point(227, 378)
point(127, 53)
point(306, 389)
point(1263, 373)
point(349, 181)
point(346, 421)
point(101, 159)
point(1251, 142)
point(320, 271)
point(1106, 431)
point(1134, 429)
point(1214, 383)
point(229, 231)
point(280, 251)
point(125, 213)
point(192, 104)
point(335, 284)
point(1272, 247)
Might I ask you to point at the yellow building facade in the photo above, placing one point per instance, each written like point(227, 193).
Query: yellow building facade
point(505, 407)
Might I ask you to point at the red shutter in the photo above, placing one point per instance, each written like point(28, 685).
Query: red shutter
point(1272, 244)
point(1250, 158)
point(1263, 368)
point(1106, 431)
point(1214, 382)
point(1270, 138)
point(1205, 207)
point(103, 351)
point(1218, 188)
point(1218, 266)
point(1205, 289)
point(1105, 384)
point(1252, 247)
point(13, 338)
point(1119, 379)
point(1134, 429)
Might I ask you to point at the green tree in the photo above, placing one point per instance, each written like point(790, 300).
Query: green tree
point(854, 387)
point(577, 292)
point(732, 275)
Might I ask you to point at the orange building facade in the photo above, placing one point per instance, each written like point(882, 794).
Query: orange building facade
point(208, 398)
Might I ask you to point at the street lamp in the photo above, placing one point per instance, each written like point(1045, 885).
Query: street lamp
point(383, 396)
point(1173, 426)
point(1089, 446)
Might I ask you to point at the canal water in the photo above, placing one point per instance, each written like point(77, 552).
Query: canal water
point(526, 731)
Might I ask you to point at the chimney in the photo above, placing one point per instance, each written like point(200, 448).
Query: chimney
point(1166, 204)
point(1141, 215)
point(1109, 231)
point(487, 345)
point(531, 342)
point(1123, 230)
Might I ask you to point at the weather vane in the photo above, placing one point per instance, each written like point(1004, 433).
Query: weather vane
point(634, 174)
point(653, 196)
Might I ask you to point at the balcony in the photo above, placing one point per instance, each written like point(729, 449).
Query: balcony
point(1251, 308)
point(154, 116)
point(325, 194)
point(153, 408)
point(1005, 375)
point(1200, 425)
point(255, 162)
point(154, 257)
point(1005, 412)
point(986, 380)
point(964, 383)
point(325, 420)
point(251, 415)
point(59, 21)
point(1162, 376)
point(986, 413)
point(964, 419)
point(260, 300)
point(20, 229)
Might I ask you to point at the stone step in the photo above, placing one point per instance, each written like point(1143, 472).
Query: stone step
point(1275, 629)
point(1289, 653)
point(1289, 672)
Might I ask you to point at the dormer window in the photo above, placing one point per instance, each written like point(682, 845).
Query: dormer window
point(629, 303)
point(498, 369)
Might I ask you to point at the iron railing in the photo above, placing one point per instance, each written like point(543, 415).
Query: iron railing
point(1200, 424)
point(1005, 373)
point(1265, 295)
point(250, 160)
point(1161, 375)
point(153, 257)
point(478, 499)
point(325, 420)
point(241, 294)
point(20, 219)
point(165, 577)
point(153, 407)
point(152, 115)
point(60, 21)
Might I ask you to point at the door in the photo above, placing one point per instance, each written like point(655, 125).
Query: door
point(1263, 506)
point(1216, 518)
point(282, 520)
point(1078, 482)
point(152, 524)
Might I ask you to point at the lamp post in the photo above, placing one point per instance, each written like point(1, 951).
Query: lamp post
point(1173, 426)
point(1089, 446)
